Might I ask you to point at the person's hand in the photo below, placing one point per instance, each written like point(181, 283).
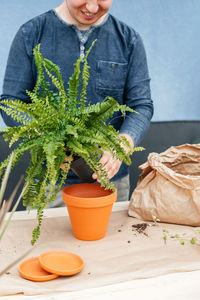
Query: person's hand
point(63, 164)
point(130, 140)
point(111, 164)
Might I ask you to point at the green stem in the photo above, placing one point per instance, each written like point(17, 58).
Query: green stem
point(13, 210)
point(5, 178)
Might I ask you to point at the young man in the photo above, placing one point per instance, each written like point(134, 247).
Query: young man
point(118, 68)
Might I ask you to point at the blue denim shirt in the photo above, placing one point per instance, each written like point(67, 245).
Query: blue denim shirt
point(118, 68)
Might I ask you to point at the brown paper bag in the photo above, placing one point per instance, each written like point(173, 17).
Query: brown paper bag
point(169, 187)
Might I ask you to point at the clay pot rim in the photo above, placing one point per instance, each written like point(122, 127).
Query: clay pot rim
point(89, 202)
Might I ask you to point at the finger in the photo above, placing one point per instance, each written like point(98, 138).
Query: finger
point(113, 171)
point(110, 164)
point(94, 176)
point(111, 168)
point(65, 161)
point(64, 168)
point(105, 158)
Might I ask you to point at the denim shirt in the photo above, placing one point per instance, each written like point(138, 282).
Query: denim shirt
point(118, 68)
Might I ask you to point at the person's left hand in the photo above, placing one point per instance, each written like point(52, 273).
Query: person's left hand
point(111, 164)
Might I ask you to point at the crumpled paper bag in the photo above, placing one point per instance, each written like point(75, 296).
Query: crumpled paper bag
point(169, 187)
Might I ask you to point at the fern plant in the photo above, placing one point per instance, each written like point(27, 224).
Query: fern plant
point(60, 121)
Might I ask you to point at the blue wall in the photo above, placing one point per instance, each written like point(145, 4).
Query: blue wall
point(170, 31)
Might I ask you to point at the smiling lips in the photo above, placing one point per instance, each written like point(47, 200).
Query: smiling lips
point(88, 15)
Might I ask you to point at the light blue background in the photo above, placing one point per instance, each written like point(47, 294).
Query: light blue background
point(170, 31)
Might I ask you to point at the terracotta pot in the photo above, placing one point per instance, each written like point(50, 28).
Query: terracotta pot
point(89, 207)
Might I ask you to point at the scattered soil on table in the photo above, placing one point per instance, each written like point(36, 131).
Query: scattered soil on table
point(141, 227)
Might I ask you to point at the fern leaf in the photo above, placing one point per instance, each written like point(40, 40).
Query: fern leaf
point(85, 77)
point(77, 148)
point(73, 83)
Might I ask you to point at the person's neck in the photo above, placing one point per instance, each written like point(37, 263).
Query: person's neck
point(64, 14)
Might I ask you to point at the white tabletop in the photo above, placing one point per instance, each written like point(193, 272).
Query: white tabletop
point(177, 285)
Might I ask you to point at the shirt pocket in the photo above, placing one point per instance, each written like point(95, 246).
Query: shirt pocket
point(111, 76)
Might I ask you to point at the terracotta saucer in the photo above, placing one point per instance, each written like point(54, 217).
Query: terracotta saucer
point(61, 262)
point(31, 269)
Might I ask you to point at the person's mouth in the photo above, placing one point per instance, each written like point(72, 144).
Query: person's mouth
point(88, 15)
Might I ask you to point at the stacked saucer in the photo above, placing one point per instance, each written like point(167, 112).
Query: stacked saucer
point(50, 265)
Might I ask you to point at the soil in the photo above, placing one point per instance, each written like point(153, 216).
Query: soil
point(141, 227)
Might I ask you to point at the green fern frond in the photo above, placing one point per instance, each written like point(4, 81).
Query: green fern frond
point(76, 147)
point(19, 133)
point(58, 83)
point(114, 144)
point(71, 130)
point(136, 149)
point(85, 78)
point(16, 112)
point(100, 112)
point(75, 121)
point(95, 165)
point(40, 70)
point(73, 83)
point(123, 140)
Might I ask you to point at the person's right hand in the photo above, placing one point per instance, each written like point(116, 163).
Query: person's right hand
point(63, 164)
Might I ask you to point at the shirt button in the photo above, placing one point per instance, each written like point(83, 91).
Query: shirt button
point(83, 40)
point(112, 66)
point(82, 48)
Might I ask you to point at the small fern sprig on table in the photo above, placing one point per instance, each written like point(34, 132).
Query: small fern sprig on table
point(53, 123)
